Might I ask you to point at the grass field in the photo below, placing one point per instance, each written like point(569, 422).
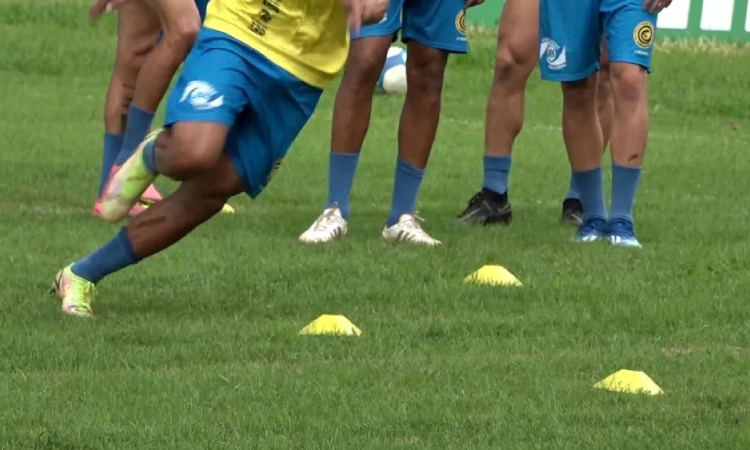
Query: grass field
point(197, 348)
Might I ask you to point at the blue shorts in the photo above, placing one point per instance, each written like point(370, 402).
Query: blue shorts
point(226, 81)
point(571, 32)
point(439, 24)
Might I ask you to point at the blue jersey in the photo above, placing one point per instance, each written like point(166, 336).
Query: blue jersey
point(571, 33)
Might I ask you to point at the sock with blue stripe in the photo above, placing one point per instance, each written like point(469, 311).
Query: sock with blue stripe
point(115, 255)
point(624, 185)
point(112, 146)
point(136, 127)
point(572, 191)
point(149, 157)
point(496, 171)
point(405, 189)
point(341, 169)
point(591, 189)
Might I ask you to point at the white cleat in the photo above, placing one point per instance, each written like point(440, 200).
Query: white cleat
point(329, 226)
point(408, 230)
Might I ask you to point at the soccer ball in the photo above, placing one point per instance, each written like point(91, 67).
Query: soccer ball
point(393, 77)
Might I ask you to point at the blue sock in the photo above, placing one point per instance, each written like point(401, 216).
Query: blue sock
point(341, 169)
point(149, 157)
point(572, 191)
point(112, 146)
point(136, 128)
point(624, 184)
point(405, 189)
point(496, 170)
point(115, 255)
point(591, 189)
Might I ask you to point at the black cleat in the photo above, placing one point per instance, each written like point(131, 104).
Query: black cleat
point(487, 208)
point(572, 212)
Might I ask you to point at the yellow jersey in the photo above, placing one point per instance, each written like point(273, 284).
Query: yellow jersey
point(307, 38)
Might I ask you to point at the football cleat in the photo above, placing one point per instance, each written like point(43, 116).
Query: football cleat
point(591, 230)
point(620, 233)
point(572, 212)
point(328, 226)
point(75, 293)
point(487, 208)
point(407, 229)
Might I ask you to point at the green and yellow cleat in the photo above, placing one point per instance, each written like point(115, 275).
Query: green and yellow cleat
point(75, 293)
point(126, 187)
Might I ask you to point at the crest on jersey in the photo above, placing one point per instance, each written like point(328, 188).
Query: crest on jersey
point(553, 54)
point(461, 22)
point(202, 96)
point(643, 35)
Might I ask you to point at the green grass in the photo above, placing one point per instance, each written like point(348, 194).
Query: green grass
point(197, 348)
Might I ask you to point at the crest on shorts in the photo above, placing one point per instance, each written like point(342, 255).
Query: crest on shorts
point(643, 35)
point(554, 55)
point(461, 22)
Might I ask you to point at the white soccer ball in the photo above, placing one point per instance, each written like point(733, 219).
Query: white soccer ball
point(393, 76)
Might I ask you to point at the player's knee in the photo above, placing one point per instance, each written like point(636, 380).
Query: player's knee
point(604, 91)
point(180, 34)
point(580, 95)
point(511, 64)
point(628, 82)
point(363, 69)
point(425, 77)
point(192, 155)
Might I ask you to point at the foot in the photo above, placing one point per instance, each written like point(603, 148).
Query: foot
point(125, 188)
point(620, 233)
point(487, 208)
point(572, 212)
point(329, 226)
point(591, 230)
point(75, 293)
point(408, 230)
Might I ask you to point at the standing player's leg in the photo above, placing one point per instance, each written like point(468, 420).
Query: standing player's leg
point(575, 32)
point(515, 58)
point(180, 22)
point(137, 33)
point(630, 35)
point(433, 29)
point(351, 119)
point(605, 99)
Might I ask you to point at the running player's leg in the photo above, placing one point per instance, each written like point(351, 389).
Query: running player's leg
point(136, 36)
point(570, 43)
point(516, 56)
point(630, 36)
point(180, 22)
point(433, 30)
point(351, 119)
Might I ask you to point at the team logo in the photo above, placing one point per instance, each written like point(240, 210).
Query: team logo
point(276, 167)
point(553, 54)
point(461, 22)
point(643, 35)
point(202, 96)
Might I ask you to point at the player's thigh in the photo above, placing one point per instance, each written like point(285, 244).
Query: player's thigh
point(570, 37)
point(263, 133)
point(629, 33)
point(518, 34)
point(212, 88)
point(389, 26)
point(439, 24)
point(137, 29)
point(177, 17)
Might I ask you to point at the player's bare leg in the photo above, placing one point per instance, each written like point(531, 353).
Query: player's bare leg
point(192, 152)
point(515, 59)
point(351, 119)
point(583, 139)
point(136, 38)
point(628, 146)
point(605, 99)
point(425, 69)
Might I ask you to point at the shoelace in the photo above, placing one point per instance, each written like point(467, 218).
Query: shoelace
point(325, 220)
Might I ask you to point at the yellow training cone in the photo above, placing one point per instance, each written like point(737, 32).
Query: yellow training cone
point(631, 382)
point(331, 325)
point(493, 275)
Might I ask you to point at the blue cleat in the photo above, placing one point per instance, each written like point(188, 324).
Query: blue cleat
point(592, 230)
point(620, 233)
